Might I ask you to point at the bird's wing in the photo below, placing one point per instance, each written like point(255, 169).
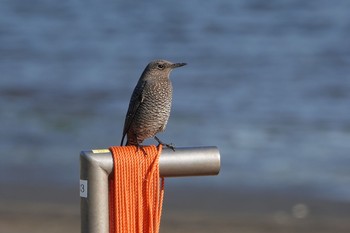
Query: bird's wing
point(135, 101)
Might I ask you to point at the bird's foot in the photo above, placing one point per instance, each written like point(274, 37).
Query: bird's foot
point(170, 146)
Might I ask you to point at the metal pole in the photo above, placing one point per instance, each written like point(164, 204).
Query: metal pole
point(96, 165)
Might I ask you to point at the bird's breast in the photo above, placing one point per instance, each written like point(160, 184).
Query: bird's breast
point(158, 96)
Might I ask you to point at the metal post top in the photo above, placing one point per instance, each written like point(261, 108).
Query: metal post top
point(184, 161)
point(96, 165)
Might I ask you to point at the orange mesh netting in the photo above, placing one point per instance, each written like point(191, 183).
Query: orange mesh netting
point(135, 190)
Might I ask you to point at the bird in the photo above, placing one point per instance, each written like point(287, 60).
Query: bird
point(150, 104)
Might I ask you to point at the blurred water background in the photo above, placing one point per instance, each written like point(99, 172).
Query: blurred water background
point(268, 82)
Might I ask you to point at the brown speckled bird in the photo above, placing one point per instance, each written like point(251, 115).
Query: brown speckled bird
point(150, 104)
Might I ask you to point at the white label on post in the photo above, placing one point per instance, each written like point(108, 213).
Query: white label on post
point(83, 188)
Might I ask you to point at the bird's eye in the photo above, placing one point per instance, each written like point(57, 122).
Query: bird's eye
point(160, 66)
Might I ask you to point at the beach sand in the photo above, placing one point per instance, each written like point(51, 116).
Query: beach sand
point(44, 209)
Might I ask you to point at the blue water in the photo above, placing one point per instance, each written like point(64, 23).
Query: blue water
point(268, 82)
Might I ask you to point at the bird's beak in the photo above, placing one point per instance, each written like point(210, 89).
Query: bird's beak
point(175, 65)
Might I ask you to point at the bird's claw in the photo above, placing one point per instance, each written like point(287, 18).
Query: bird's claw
point(170, 146)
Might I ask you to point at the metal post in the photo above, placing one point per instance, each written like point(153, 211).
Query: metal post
point(96, 165)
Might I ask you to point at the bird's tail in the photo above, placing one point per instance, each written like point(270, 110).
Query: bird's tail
point(122, 141)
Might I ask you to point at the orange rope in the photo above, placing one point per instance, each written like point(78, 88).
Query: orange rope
point(135, 190)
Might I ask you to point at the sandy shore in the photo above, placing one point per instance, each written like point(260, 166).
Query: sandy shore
point(43, 209)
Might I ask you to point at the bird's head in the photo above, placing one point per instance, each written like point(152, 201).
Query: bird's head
point(161, 68)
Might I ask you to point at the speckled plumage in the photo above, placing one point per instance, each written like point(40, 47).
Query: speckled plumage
point(150, 103)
